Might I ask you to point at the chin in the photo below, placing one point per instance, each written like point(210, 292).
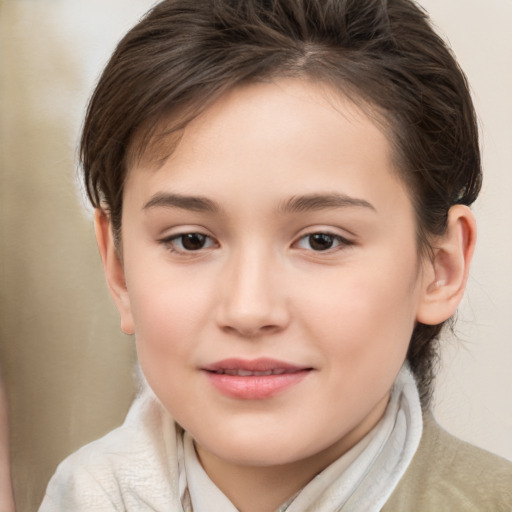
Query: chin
point(258, 449)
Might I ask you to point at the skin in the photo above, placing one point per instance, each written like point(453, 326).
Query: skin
point(6, 494)
point(260, 286)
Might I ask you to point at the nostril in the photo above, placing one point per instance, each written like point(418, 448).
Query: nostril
point(269, 328)
point(251, 332)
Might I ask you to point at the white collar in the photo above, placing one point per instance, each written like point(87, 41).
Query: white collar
point(360, 481)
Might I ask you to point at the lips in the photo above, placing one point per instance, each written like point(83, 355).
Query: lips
point(254, 380)
point(249, 373)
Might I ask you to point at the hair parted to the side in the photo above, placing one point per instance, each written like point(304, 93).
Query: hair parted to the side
point(382, 54)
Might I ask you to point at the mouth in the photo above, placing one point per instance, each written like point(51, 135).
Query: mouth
point(249, 373)
point(256, 379)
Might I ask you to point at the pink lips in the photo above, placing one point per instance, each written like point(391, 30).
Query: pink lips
point(254, 380)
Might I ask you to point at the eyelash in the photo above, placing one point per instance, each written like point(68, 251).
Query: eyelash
point(170, 242)
point(336, 242)
point(340, 241)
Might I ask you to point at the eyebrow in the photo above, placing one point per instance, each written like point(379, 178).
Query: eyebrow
point(296, 204)
point(192, 203)
point(311, 202)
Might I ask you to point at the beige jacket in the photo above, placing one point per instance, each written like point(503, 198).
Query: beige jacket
point(447, 474)
point(132, 469)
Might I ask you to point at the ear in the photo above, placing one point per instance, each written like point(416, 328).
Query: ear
point(114, 271)
point(446, 274)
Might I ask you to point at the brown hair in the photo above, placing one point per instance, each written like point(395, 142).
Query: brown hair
point(384, 54)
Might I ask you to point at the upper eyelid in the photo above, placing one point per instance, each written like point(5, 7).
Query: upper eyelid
point(331, 231)
point(336, 236)
point(180, 230)
point(346, 237)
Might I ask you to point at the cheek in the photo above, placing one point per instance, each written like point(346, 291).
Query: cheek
point(166, 317)
point(365, 312)
point(168, 310)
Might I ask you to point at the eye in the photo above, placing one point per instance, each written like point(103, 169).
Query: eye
point(322, 242)
point(189, 242)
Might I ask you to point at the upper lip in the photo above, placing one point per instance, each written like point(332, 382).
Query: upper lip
point(266, 365)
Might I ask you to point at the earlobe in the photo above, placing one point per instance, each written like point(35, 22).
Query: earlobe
point(114, 271)
point(447, 272)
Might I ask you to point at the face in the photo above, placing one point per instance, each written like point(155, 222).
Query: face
point(272, 275)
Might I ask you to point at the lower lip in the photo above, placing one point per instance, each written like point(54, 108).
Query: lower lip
point(255, 387)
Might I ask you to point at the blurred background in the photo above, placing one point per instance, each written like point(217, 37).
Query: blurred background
point(67, 366)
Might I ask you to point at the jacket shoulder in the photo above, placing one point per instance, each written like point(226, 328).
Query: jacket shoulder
point(128, 470)
point(449, 474)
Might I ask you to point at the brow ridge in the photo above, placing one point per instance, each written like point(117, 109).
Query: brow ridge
point(184, 202)
point(296, 204)
point(311, 202)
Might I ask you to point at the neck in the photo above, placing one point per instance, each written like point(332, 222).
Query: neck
point(265, 488)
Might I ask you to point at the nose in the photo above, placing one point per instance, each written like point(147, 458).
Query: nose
point(252, 296)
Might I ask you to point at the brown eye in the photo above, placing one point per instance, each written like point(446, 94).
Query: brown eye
point(193, 241)
point(321, 241)
point(188, 242)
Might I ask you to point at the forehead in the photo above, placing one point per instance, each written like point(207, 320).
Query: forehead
point(284, 138)
point(158, 137)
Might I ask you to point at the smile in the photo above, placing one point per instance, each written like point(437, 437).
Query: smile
point(248, 373)
point(254, 380)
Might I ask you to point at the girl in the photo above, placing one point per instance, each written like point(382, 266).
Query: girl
point(281, 192)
